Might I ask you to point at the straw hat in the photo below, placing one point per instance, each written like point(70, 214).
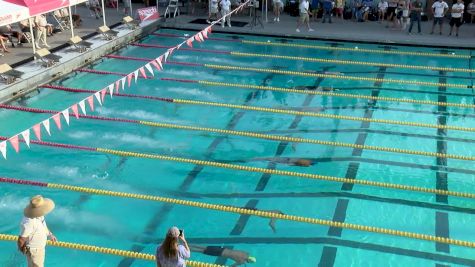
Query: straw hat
point(38, 207)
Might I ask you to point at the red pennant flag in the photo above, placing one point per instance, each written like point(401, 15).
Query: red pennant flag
point(57, 120)
point(14, 141)
point(37, 131)
point(117, 85)
point(171, 50)
point(74, 108)
point(204, 33)
point(142, 71)
point(103, 94)
point(3, 149)
point(129, 78)
point(90, 100)
point(155, 64)
point(209, 29)
point(189, 42)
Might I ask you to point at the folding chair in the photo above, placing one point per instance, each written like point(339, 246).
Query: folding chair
point(8, 74)
point(130, 22)
point(63, 22)
point(47, 58)
point(80, 44)
point(107, 33)
point(173, 4)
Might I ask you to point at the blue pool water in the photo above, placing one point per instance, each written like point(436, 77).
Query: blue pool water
point(139, 225)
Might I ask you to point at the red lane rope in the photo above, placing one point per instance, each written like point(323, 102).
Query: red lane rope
point(209, 38)
point(150, 59)
point(51, 144)
point(18, 181)
point(107, 73)
point(183, 48)
point(78, 90)
point(179, 80)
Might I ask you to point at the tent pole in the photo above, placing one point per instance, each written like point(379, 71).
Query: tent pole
point(71, 22)
point(131, 14)
point(103, 13)
point(30, 22)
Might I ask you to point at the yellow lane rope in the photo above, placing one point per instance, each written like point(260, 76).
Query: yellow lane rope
point(230, 209)
point(333, 76)
point(368, 97)
point(321, 115)
point(351, 62)
point(356, 49)
point(303, 140)
point(110, 251)
point(286, 173)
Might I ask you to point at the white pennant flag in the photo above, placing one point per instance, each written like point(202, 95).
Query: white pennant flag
point(165, 56)
point(111, 89)
point(3, 149)
point(159, 61)
point(26, 136)
point(136, 75)
point(66, 115)
point(123, 82)
point(149, 68)
point(98, 97)
point(46, 125)
point(82, 105)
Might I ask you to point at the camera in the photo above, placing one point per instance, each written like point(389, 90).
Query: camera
point(181, 232)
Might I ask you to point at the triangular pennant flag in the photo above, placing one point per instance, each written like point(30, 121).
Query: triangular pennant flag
point(171, 50)
point(103, 94)
point(46, 125)
point(155, 64)
point(165, 56)
point(14, 141)
point(179, 46)
point(129, 78)
point(74, 108)
point(82, 105)
point(37, 131)
point(117, 86)
point(149, 68)
point(111, 89)
point(3, 149)
point(204, 33)
point(57, 120)
point(98, 97)
point(142, 71)
point(198, 37)
point(159, 61)
point(123, 82)
point(26, 136)
point(66, 115)
point(189, 42)
point(208, 29)
point(90, 101)
point(136, 75)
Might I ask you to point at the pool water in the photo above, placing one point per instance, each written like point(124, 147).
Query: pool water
point(140, 225)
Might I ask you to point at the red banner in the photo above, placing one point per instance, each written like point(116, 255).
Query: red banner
point(148, 13)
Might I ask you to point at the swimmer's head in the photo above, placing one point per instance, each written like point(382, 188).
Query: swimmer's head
point(303, 162)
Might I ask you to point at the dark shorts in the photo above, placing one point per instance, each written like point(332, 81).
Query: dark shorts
point(399, 14)
point(438, 20)
point(456, 21)
point(390, 11)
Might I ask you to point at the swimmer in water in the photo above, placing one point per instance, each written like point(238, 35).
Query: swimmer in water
point(301, 162)
point(240, 257)
point(316, 88)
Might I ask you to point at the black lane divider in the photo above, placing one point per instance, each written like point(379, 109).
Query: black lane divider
point(414, 74)
point(328, 256)
point(442, 218)
point(403, 91)
point(159, 216)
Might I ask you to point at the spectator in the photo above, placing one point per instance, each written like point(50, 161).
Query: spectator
point(127, 4)
point(382, 7)
point(170, 253)
point(7, 31)
point(3, 40)
point(213, 11)
point(304, 18)
point(339, 6)
point(457, 17)
point(34, 231)
point(240, 257)
point(41, 30)
point(355, 9)
point(327, 10)
point(365, 8)
point(225, 12)
point(278, 6)
point(95, 7)
point(314, 9)
point(471, 10)
point(391, 12)
point(439, 9)
point(404, 21)
point(416, 11)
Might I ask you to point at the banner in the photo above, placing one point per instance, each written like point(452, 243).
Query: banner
point(148, 13)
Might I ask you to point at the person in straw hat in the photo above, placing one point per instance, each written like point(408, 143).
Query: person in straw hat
point(34, 232)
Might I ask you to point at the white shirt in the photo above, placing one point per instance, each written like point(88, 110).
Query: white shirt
point(457, 14)
point(383, 5)
point(303, 7)
point(214, 4)
point(35, 230)
point(439, 8)
point(226, 5)
point(41, 21)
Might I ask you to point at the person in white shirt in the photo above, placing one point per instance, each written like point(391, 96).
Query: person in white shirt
point(225, 10)
point(34, 232)
point(457, 17)
point(382, 7)
point(43, 29)
point(213, 10)
point(439, 9)
point(304, 18)
point(278, 5)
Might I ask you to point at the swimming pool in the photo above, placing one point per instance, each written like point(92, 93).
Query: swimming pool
point(139, 225)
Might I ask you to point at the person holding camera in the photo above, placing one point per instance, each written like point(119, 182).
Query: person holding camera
point(33, 231)
point(225, 12)
point(170, 253)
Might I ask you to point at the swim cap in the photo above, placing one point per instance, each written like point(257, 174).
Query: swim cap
point(251, 259)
